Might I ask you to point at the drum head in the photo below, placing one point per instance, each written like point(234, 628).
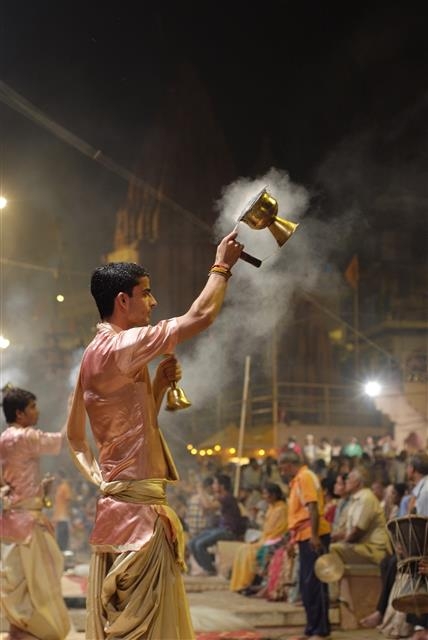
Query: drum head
point(416, 603)
point(410, 590)
point(329, 567)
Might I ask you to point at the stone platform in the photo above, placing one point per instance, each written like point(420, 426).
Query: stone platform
point(210, 602)
point(212, 605)
point(214, 592)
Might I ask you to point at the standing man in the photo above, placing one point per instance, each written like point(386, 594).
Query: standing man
point(252, 475)
point(135, 584)
point(311, 532)
point(61, 513)
point(32, 565)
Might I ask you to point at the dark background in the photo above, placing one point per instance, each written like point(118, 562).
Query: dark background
point(305, 75)
point(335, 94)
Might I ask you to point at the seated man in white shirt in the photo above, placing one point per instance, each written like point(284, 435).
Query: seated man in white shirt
point(365, 538)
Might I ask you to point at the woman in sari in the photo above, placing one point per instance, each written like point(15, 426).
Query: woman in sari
point(245, 567)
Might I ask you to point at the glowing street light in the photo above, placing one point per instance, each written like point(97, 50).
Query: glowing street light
point(372, 388)
point(60, 298)
point(3, 202)
point(4, 342)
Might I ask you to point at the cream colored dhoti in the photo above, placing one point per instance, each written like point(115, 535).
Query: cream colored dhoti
point(138, 595)
point(31, 596)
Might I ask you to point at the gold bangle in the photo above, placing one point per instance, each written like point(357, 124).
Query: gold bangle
point(222, 268)
point(221, 265)
point(221, 272)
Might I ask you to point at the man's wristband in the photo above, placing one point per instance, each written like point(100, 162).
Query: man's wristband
point(221, 270)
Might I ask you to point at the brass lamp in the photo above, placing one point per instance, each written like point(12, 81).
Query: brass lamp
point(261, 213)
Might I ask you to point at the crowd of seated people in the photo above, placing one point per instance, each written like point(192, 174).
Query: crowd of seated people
point(365, 485)
point(369, 476)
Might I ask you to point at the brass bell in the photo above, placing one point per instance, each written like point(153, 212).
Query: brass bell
point(46, 486)
point(176, 398)
point(47, 502)
point(261, 213)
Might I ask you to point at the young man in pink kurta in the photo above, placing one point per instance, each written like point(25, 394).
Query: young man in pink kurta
point(32, 564)
point(135, 585)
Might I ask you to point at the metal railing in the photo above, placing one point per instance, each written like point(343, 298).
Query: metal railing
point(301, 403)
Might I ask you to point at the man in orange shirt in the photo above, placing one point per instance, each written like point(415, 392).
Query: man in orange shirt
point(311, 532)
point(61, 515)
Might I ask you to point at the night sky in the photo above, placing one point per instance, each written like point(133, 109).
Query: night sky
point(304, 74)
point(337, 91)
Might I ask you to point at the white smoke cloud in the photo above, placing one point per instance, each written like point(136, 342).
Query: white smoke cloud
point(260, 300)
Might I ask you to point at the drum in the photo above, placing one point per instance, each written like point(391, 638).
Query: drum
point(409, 535)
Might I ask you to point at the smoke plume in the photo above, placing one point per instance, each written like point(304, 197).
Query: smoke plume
point(261, 300)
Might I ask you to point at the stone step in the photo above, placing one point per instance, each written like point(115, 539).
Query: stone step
point(195, 584)
point(256, 612)
point(221, 604)
point(209, 600)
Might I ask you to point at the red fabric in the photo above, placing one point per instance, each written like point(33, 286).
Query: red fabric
point(329, 512)
point(229, 635)
point(279, 575)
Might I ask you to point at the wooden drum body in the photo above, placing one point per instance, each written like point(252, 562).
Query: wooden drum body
point(409, 535)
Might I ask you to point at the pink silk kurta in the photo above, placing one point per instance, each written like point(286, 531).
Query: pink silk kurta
point(136, 588)
point(117, 395)
point(32, 565)
point(20, 451)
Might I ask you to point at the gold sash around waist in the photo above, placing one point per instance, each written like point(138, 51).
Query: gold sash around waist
point(151, 491)
point(29, 504)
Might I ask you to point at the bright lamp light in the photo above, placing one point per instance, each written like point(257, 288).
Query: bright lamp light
point(372, 388)
point(4, 342)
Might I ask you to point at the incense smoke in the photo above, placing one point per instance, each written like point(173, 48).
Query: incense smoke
point(260, 300)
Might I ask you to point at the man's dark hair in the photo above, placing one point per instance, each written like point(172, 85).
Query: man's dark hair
point(112, 278)
point(15, 399)
point(419, 462)
point(400, 488)
point(224, 481)
point(207, 482)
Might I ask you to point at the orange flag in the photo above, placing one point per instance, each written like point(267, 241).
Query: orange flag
point(352, 274)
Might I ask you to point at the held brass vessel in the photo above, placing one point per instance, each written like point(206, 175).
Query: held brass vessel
point(262, 213)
